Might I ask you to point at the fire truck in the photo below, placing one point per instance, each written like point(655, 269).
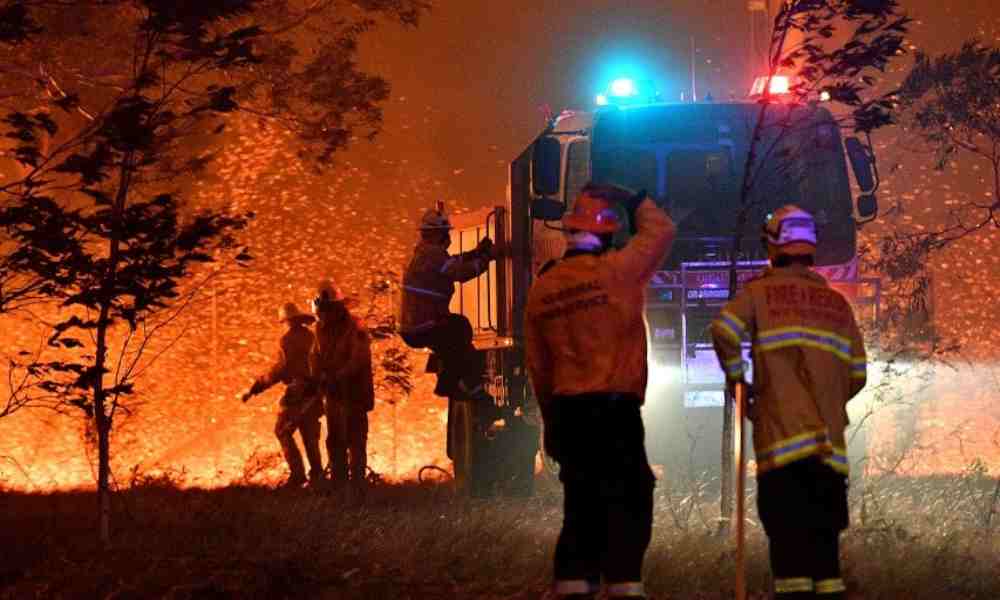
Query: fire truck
point(691, 157)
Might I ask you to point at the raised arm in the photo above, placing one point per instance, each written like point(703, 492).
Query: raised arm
point(646, 251)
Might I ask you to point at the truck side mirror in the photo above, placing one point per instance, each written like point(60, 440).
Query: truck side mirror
point(867, 206)
point(546, 163)
point(547, 209)
point(861, 164)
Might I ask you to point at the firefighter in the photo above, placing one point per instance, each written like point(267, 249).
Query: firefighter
point(341, 362)
point(585, 344)
point(426, 322)
point(809, 361)
point(299, 409)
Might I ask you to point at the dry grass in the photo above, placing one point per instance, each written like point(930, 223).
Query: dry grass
point(918, 539)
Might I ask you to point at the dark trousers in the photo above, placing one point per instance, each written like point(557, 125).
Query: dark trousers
point(347, 442)
point(306, 422)
point(598, 440)
point(451, 340)
point(803, 507)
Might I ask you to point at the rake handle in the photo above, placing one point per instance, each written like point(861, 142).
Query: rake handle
point(739, 401)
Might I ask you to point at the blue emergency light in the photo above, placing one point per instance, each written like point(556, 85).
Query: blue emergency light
point(625, 90)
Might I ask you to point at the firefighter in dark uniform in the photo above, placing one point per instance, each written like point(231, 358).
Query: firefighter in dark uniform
point(341, 361)
point(426, 322)
point(300, 409)
point(585, 344)
point(809, 361)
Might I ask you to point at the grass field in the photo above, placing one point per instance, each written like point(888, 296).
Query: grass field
point(927, 539)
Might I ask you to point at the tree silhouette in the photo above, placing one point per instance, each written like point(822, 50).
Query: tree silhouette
point(950, 105)
point(952, 102)
point(93, 221)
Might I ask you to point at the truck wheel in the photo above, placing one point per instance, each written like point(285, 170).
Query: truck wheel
point(462, 439)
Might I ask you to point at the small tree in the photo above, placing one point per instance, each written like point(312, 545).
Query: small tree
point(113, 259)
point(832, 49)
point(392, 367)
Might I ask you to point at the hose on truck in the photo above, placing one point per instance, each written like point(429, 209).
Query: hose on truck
point(420, 473)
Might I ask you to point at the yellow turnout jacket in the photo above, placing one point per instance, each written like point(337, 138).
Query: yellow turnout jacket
point(808, 362)
point(585, 329)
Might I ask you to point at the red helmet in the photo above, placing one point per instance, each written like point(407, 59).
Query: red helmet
point(593, 215)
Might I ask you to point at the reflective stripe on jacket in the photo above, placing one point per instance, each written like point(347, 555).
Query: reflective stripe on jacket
point(585, 329)
point(809, 361)
point(429, 283)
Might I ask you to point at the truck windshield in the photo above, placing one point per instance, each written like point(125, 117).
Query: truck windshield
point(692, 157)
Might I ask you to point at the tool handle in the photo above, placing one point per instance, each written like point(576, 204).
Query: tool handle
point(740, 393)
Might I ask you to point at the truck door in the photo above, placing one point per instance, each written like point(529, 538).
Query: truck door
point(520, 237)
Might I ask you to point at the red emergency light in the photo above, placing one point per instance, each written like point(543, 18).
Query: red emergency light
point(781, 85)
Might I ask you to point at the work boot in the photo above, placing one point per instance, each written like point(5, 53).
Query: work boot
point(593, 588)
point(294, 482)
point(626, 591)
point(316, 478)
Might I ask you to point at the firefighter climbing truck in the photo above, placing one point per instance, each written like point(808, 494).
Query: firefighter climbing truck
point(691, 158)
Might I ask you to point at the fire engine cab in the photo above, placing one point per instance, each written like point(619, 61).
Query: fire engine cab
point(691, 158)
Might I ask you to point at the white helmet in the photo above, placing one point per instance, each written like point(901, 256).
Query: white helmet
point(434, 219)
point(792, 231)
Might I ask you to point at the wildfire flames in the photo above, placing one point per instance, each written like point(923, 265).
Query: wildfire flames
point(185, 419)
point(355, 224)
point(209, 450)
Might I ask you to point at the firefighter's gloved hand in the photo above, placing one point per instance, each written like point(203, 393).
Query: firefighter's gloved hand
point(629, 201)
point(631, 206)
point(633, 201)
point(255, 389)
point(486, 249)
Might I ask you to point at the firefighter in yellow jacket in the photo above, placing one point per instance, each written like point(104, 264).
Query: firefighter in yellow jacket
point(585, 344)
point(809, 361)
point(300, 408)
